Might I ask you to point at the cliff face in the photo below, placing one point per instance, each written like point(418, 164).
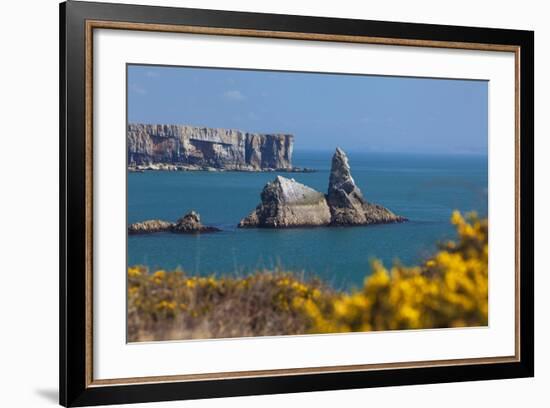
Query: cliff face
point(208, 147)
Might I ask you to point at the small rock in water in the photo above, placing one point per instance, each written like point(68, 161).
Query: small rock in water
point(191, 222)
point(149, 226)
point(188, 224)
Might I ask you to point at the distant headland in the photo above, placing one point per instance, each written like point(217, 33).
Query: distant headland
point(182, 147)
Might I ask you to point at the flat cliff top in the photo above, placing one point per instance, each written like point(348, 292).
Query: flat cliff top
point(133, 126)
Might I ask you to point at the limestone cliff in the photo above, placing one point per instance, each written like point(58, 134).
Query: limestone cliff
point(200, 147)
point(287, 203)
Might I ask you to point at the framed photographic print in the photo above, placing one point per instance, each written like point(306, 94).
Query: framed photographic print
point(256, 203)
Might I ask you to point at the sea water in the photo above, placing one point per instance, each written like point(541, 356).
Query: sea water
point(423, 188)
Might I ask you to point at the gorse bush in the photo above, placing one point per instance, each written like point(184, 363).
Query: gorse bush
point(450, 289)
point(172, 305)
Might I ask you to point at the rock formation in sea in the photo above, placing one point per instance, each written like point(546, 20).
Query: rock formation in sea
point(190, 223)
point(286, 203)
point(346, 202)
point(174, 147)
point(149, 226)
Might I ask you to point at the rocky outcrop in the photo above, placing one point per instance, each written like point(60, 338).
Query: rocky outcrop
point(188, 147)
point(286, 203)
point(188, 224)
point(346, 202)
point(191, 222)
point(149, 226)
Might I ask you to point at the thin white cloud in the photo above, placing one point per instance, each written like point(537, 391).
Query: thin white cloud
point(138, 89)
point(152, 74)
point(234, 95)
point(253, 116)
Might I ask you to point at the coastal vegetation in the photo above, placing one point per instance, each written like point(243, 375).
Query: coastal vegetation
point(449, 289)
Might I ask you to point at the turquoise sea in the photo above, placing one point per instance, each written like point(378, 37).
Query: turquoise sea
point(423, 188)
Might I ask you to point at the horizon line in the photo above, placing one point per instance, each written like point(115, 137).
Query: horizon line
point(407, 152)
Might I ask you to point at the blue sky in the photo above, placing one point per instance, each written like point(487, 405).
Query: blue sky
point(356, 112)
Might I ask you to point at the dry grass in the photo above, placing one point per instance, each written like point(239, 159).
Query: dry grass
point(174, 306)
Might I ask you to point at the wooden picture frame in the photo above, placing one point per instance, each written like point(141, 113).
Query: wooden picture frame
point(78, 20)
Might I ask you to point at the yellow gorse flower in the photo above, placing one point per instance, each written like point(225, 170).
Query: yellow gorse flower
point(134, 272)
point(158, 277)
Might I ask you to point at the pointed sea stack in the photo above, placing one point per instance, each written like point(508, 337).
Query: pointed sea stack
point(287, 203)
point(346, 202)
